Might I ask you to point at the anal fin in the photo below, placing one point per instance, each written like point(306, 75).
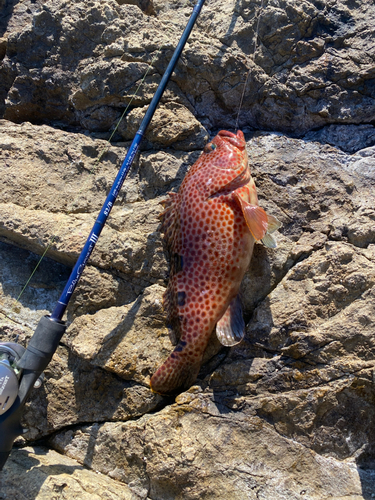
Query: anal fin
point(230, 329)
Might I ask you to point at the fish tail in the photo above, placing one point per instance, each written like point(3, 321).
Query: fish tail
point(177, 373)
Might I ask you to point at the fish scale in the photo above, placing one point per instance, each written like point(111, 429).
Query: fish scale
point(209, 228)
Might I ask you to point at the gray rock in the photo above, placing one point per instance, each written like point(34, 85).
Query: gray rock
point(175, 454)
point(364, 166)
point(297, 390)
point(115, 338)
point(3, 47)
point(78, 63)
point(349, 138)
point(75, 392)
point(42, 291)
point(49, 473)
point(289, 412)
point(173, 125)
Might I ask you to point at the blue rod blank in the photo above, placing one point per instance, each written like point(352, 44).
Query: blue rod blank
point(77, 271)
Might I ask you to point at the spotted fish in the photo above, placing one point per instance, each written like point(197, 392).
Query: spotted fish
point(210, 227)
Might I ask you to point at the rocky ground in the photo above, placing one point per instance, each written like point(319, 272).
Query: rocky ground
point(289, 413)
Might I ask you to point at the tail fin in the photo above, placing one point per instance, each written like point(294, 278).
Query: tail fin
point(177, 373)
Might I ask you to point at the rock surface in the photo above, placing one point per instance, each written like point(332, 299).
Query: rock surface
point(49, 475)
point(80, 63)
point(289, 413)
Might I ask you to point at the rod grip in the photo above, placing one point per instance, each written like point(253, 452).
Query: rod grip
point(42, 345)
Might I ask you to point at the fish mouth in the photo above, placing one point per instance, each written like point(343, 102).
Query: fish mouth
point(228, 140)
point(236, 140)
point(238, 182)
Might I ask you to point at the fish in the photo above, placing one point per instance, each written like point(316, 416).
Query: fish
point(210, 226)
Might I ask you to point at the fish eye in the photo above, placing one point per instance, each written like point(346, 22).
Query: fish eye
point(209, 147)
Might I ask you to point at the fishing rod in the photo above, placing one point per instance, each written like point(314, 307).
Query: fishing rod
point(22, 369)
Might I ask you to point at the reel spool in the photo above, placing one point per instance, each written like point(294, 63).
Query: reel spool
point(10, 374)
point(10, 353)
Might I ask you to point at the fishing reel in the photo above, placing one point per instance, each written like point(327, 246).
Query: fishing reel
point(21, 370)
point(11, 373)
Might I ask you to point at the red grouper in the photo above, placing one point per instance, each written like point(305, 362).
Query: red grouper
point(210, 227)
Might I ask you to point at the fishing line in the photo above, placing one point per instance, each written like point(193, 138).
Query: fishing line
point(93, 170)
point(22, 368)
point(253, 58)
point(13, 307)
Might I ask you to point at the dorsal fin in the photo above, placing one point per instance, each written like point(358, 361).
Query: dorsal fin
point(169, 220)
point(170, 225)
point(170, 305)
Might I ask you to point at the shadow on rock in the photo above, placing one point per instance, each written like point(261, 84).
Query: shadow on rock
point(26, 463)
point(366, 466)
point(47, 474)
point(6, 6)
point(32, 474)
point(118, 334)
point(17, 266)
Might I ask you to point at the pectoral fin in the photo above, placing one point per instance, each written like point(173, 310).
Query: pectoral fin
point(255, 217)
point(273, 225)
point(269, 241)
point(260, 224)
point(230, 329)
